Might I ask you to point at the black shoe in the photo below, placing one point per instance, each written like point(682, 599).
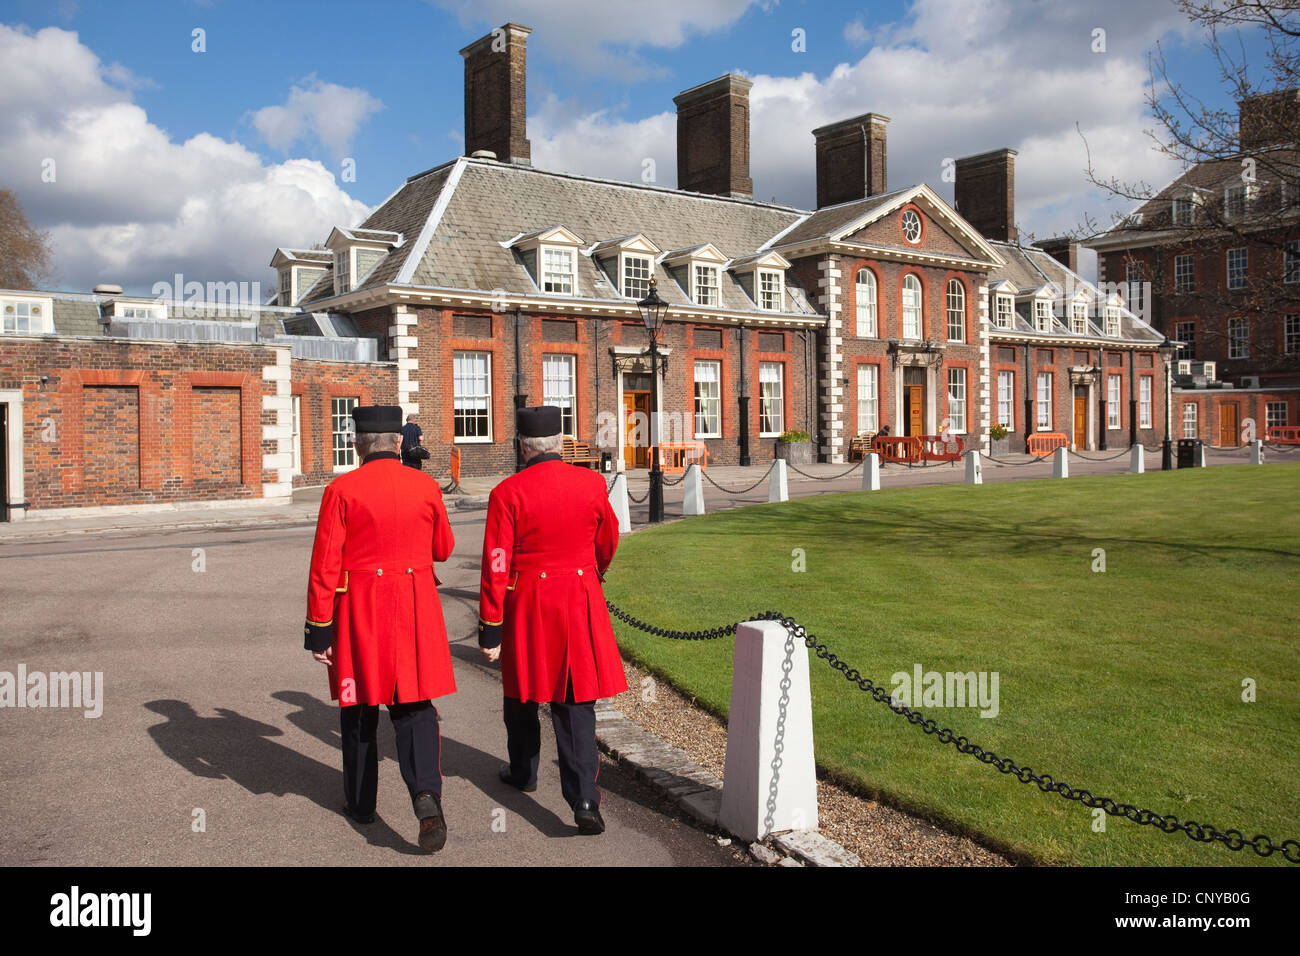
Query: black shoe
point(433, 828)
point(587, 816)
point(355, 817)
point(508, 777)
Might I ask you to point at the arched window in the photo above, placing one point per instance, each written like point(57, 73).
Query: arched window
point(866, 299)
point(911, 307)
point(956, 311)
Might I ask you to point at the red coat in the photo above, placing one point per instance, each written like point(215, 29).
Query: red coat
point(380, 529)
point(550, 536)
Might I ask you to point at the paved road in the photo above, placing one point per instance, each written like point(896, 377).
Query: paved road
point(211, 704)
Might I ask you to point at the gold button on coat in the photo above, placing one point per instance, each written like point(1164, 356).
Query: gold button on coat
point(380, 571)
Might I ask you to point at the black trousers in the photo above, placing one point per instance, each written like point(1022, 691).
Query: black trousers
point(419, 751)
point(575, 743)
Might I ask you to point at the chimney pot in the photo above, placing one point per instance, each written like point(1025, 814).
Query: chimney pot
point(713, 137)
point(851, 159)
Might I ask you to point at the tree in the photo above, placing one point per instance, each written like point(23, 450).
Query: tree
point(24, 252)
point(1240, 181)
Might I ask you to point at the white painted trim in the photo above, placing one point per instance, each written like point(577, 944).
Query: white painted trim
point(421, 243)
point(14, 453)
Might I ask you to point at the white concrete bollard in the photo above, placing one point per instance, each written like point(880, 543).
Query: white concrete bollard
point(871, 472)
point(1061, 464)
point(778, 489)
point(618, 501)
point(693, 491)
point(1137, 463)
point(974, 470)
point(1256, 452)
point(756, 798)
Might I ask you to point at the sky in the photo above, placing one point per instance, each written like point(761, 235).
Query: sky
point(196, 136)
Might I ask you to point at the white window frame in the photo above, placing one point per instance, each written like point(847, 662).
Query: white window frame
point(913, 323)
point(708, 395)
point(705, 289)
point(1234, 195)
point(771, 402)
point(1043, 405)
point(545, 273)
point(868, 398)
point(1190, 429)
point(957, 401)
point(1006, 308)
point(565, 400)
point(1184, 210)
point(865, 299)
point(1079, 318)
point(956, 306)
point(1112, 322)
point(1042, 315)
point(1145, 388)
point(1291, 262)
point(286, 286)
point(630, 261)
point(341, 441)
point(769, 285)
point(1189, 350)
point(23, 308)
point(1114, 395)
point(1135, 284)
point(1007, 399)
point(1291, 334)
point(459, 396)
point(342, 271)
point(1243, 280)
point(1184, 273)
point(296, 425)
point(1270, 418)
point(1238, 344)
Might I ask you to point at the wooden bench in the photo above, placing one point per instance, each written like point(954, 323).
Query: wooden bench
point(861, 445)
point(1043, 444)
point(578, 453)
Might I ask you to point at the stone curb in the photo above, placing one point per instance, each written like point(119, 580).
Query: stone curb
point(698, 793)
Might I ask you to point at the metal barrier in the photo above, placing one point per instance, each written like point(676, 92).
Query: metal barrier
point(1044, 443)
point(898, 448)
point(1284, 434)
point(455, 465)
point(937, 448)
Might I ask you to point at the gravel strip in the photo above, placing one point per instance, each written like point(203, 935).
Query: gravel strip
point(878, 834)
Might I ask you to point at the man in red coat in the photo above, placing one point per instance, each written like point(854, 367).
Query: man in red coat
point(374, 618)
point(550, 536)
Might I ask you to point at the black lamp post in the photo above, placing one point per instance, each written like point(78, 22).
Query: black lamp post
point(653, 311)
point(1167, 348)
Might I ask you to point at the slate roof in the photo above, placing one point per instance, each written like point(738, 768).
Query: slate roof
point(79, 316)
point(828, 221)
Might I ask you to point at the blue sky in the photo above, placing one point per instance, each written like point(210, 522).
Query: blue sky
point(203, 162)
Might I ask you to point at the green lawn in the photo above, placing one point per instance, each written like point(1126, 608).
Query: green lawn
point(1127, 683)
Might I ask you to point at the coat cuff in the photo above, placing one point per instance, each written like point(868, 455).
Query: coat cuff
point(489, 635)
point(318, 637)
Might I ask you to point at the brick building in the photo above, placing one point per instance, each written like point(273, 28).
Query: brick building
point(1213, 261)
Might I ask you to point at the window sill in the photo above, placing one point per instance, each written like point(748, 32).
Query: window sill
point(471, 441)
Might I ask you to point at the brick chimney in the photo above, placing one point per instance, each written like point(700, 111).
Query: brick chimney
point(851, 159)
point(495, 95)
point(1269, 119)
point(985, 193)
point(713, 137)
point(1063, 249)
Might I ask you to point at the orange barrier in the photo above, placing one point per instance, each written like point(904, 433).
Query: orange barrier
point(899, 448)
point(1284, 434)
point(455, 464)
point(1044, 443)
point(935, 448)
point(676, 455)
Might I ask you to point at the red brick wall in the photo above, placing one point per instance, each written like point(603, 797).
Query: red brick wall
point(114, 424)
point(316, 383)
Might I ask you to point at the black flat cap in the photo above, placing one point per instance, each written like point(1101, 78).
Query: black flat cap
point(378, 419)
point(541, 421)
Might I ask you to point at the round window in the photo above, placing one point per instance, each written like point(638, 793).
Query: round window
point(911, 225)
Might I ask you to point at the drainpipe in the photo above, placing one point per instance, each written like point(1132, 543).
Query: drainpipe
point(1132, 400)
point(521, 399)
point(744, 404)
point(1030, 383)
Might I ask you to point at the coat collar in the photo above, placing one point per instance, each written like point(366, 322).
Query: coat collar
point(547, 456)
point(375, 456)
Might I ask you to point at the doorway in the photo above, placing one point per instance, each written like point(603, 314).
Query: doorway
point(1080, 417)
point(913, 401)
point(1228, 425)
point(4, 461)
point(636, 420)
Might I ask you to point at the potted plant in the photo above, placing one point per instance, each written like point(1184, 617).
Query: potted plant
point(999, 443)
point(793, 446)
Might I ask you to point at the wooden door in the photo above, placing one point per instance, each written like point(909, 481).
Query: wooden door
point(636, 429)
point(1228, 425)
point(915, 409)
point(1080, 421)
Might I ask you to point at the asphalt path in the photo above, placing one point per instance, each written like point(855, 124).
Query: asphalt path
point(218, 744)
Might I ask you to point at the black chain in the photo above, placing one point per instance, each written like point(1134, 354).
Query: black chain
point(829, 477)
point(1285, 449)
point(1200, 832)
point(740, 491)
point(669, 484)
point(637, 500)
point(1108, 458)
point(1032, 461)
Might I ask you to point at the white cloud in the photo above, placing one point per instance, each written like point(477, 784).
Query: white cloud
point(604, 38)
point(856, 32)
point(129, 204)
point(316, 112)
point(957, 77)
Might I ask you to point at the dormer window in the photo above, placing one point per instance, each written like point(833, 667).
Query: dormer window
point(1079, 318)
point(1005, 309)
point(134, 312)
point(1042, 315)
point(558, 267)
point(636, 276)
point(1236, 198)
point(769, 290)
point(705, 281)
point(1112, 321)
point(21, 316)
point(286, 287)
point(342, 271)
point(1184, 210)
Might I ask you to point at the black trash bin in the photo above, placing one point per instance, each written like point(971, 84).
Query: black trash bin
point(1191, 453)
point(606, 462)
